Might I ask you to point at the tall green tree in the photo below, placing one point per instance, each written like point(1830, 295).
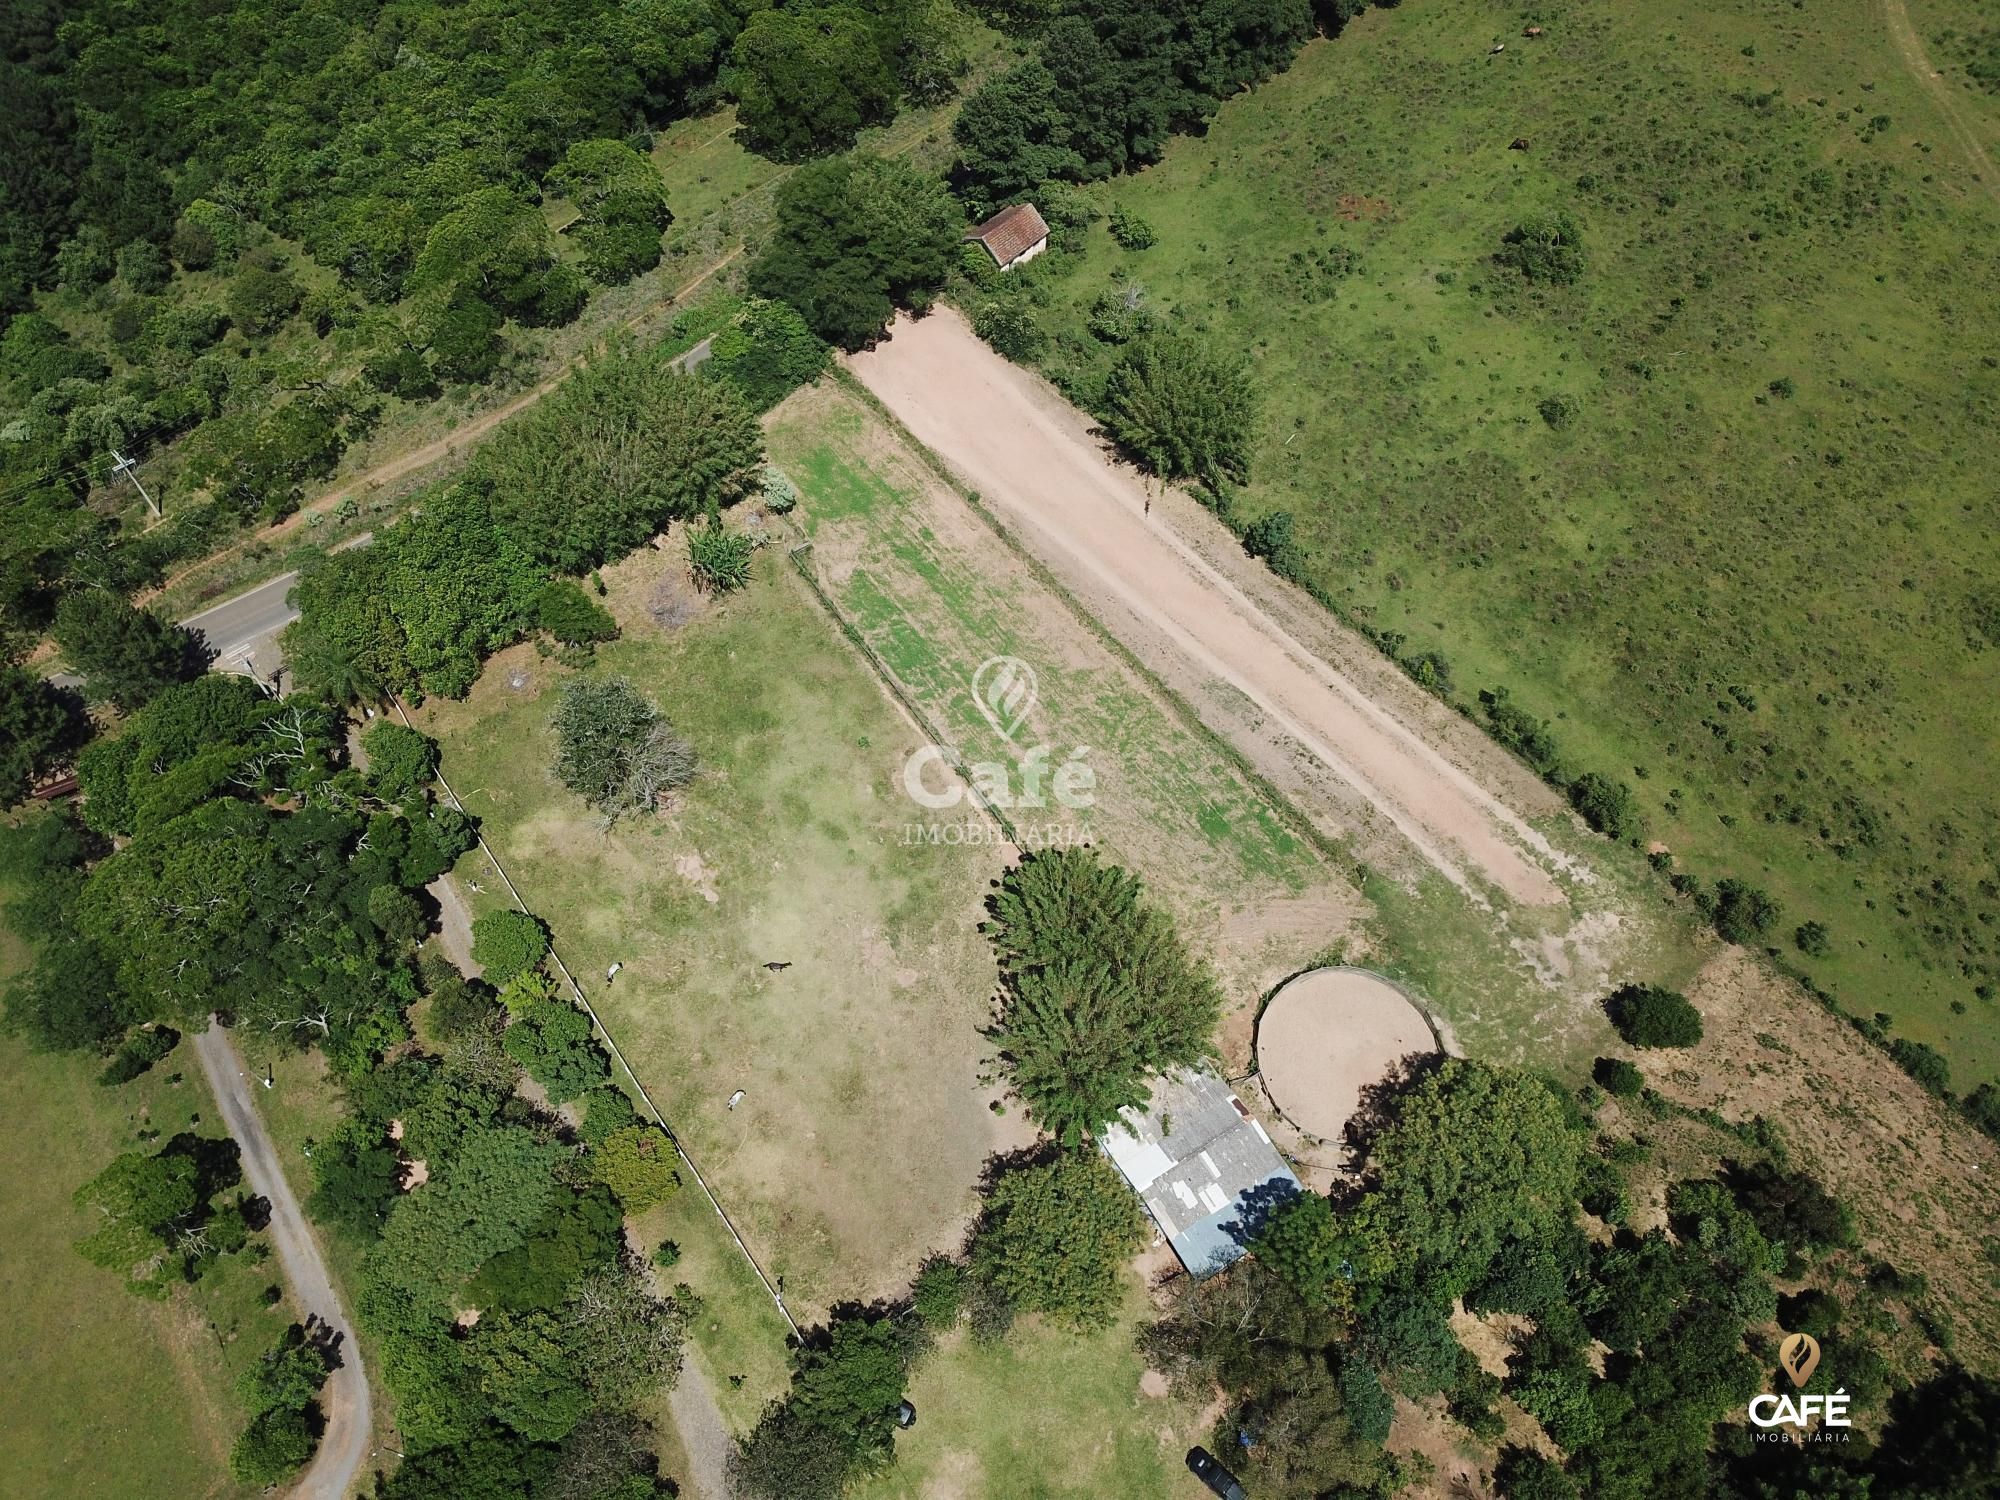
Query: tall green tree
point(41, 725)
point(1097, 990)
point(628, 445)
point(1013, 135)
point(1477, 1154)
point(1055, 1237)
point(615, 749)
point(1183, 408)
point(855, 237)
point(807, 78)
point(124, 655)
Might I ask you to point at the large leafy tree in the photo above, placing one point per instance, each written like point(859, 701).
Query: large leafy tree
point(1183, 408)
point(1056, 1237)
point(621, 206)
point(1013, 135)
point(1477, 1154)
point(125, 655)
point(627, 446)
point(855, 236)
point(1097, 990)
point(40, 726)
point(807, 78)
point(614, 749)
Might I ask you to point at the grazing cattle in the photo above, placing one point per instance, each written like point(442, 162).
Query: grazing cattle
point(1520, 143)
point(1531, 31)
point(736, 1098)
point(780, 967)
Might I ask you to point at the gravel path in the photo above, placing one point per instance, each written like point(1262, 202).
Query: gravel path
point(345, 1396)
point(704, 1434)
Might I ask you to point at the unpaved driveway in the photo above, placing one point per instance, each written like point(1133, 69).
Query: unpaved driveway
point(1033, 460)
point(345, 1397)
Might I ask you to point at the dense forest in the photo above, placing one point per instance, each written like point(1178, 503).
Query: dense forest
point(254, 233)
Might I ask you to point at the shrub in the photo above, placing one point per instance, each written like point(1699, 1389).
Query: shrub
point(938, 1294)
point(768, 354)
point(1812, 1311)
point(566, 612)
point(667, 1255)
point(1924, 1063)
point(1813, 940)
point(1523, 1474)
point(1521, 732)
point(1606, 805)
point(1369, 1407)
point(1270, 537)
point(507, 943)
point(140, 1052)
point(1618, 1077)
point(1648, 1015)
point(719, 559)
point(1010, 328)
point(1743, 913)
point(1547, 247)
point(1131, 231)
point(781, 496)
point(1559, 410)
point(638, 1164)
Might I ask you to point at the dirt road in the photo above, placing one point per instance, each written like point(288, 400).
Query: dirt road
point(415, 460)
point(1910, 47)
point(345, 1397)
point(1033, 459)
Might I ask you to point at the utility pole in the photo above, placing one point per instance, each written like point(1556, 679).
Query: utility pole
point(123, 465)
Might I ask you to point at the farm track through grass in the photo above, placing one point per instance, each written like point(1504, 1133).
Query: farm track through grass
point(1753, 575)
point(105, 1395)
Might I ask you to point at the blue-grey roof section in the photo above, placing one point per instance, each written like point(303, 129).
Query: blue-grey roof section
point(1204, 1168)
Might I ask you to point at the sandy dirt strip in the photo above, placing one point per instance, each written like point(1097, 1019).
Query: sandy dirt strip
point(1034, 459)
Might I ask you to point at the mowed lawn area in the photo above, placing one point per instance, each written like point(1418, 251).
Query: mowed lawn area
point(1049, 1413)
point(1745, 559)
point(865, 1121)
point(103, 1394)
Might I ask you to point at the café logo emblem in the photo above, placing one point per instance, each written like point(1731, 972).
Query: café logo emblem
point(1798, 1357)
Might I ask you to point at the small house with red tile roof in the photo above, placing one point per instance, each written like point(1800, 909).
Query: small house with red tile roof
point(1013, 235)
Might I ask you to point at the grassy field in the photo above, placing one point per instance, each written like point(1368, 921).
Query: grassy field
point(865, 1121)
point(103, 1394)
point(1752, 574)
point(1050, 1414)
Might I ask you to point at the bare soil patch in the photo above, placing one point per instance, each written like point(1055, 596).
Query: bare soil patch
point(1330, 1036)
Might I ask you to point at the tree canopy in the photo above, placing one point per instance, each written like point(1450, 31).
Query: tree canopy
point(1183, 408)
point(1097, 990)
point(856, 236)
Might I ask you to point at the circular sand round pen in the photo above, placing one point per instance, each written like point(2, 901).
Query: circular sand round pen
point(1330, 1034)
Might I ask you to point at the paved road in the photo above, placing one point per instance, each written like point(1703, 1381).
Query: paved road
point(345, 1398)
point(243, 632)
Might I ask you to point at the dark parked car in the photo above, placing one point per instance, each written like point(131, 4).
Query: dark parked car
point(1203, 1465)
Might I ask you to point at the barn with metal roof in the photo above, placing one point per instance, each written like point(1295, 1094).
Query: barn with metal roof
point(1204, 1168)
